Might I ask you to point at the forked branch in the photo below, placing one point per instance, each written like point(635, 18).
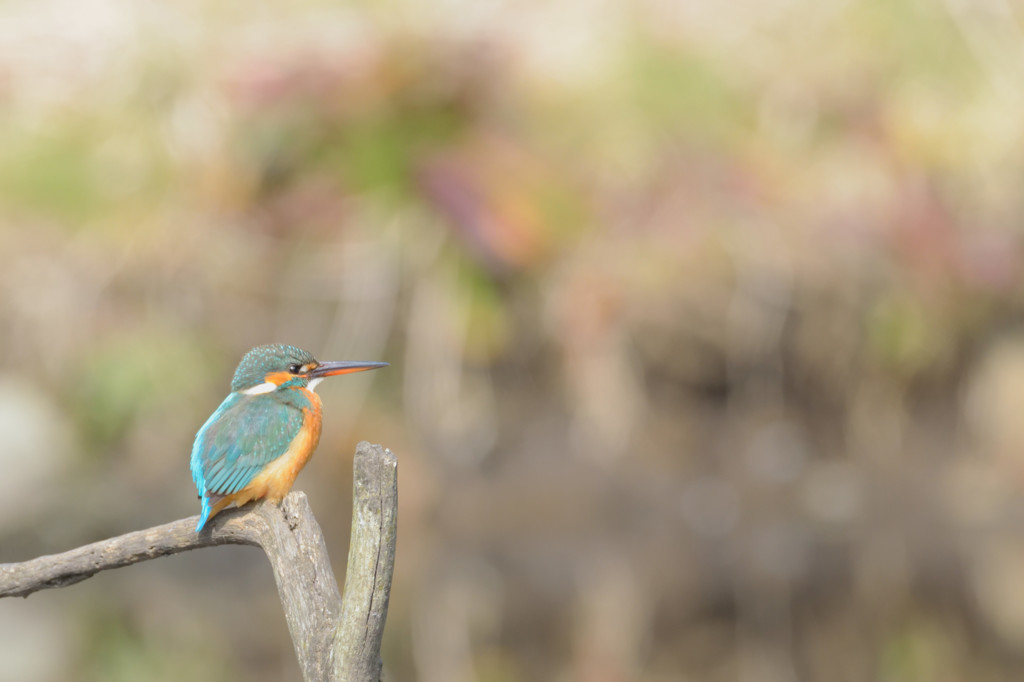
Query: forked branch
point(335, 639)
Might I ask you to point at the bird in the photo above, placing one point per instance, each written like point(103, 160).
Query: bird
point(255, 444)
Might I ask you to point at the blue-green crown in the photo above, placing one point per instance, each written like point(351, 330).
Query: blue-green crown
point(262, 360)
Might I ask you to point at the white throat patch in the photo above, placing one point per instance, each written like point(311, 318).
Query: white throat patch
point(313, 383)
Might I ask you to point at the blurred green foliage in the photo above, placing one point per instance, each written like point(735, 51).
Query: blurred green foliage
point(131, 375)
point(703, 323)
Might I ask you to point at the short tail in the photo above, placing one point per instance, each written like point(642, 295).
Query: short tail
point(205, 515)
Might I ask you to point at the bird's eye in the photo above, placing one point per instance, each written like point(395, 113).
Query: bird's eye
point(294, 369)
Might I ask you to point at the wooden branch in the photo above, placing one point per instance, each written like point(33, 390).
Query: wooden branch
point(371, 562)
point(335, 639)
point(234, 527)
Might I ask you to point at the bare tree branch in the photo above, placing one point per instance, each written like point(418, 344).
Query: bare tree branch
point(332, 643)
point(371, 562)
point(234, 527)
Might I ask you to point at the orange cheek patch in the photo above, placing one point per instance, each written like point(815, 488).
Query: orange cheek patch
point(279, 377)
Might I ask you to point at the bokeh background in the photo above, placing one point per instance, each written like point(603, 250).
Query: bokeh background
point(704, 323)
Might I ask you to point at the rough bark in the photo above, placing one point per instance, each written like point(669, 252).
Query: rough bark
point(371, 562)
point(335, 639)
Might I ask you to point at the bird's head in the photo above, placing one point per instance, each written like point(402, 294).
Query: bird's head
point(268, 368)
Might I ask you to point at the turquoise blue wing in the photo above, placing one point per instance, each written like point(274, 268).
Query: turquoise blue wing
point(241, 437)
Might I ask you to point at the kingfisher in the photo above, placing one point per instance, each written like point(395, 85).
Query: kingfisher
point(256, 443)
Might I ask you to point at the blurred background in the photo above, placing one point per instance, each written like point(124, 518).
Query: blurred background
point(704, 323)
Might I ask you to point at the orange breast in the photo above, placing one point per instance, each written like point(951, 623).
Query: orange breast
point(277, 478)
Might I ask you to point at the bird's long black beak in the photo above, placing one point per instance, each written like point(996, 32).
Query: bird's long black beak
point(330, 369)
